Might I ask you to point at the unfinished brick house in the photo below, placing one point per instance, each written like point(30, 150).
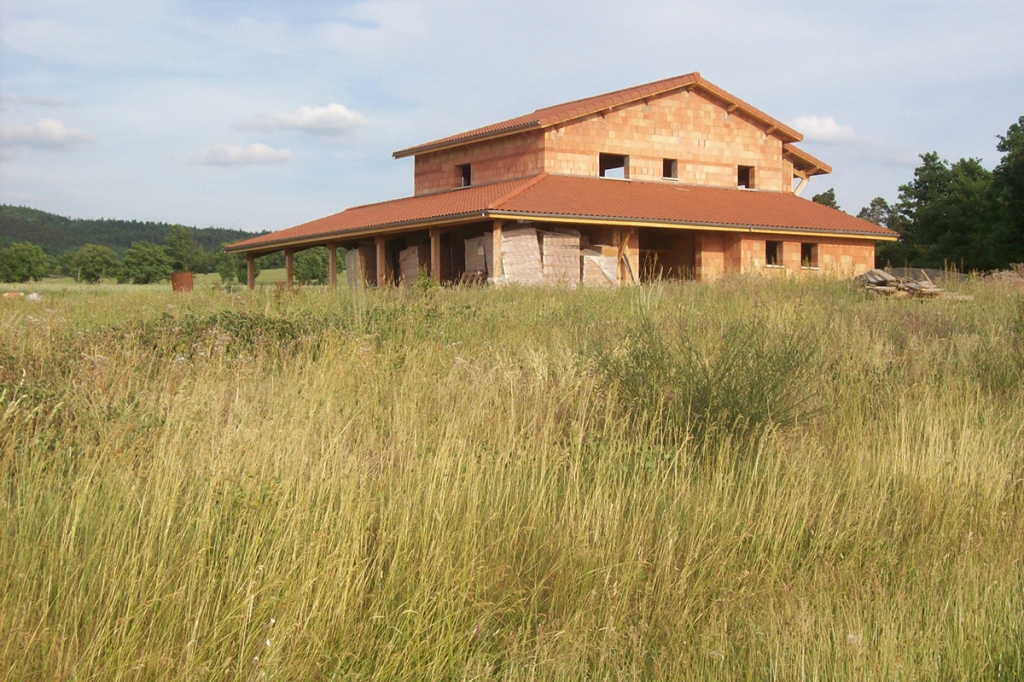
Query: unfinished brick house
point(676, 179)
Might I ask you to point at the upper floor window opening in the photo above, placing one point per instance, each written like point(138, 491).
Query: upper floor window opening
point(745, 177)
point(670, 169)
point(613, 166)
point(464, 175)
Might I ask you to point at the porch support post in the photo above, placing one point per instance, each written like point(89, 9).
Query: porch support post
point(381, 260)
point(617, 243)
point(250, 269)
point(435, 254)
point(332, 265)
point(497, 265)
point(289, 267)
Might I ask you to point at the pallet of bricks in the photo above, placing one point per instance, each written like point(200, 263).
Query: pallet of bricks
point(532, 256)
point(361, 266)
point(412, 261)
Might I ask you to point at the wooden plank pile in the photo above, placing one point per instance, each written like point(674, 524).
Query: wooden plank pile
point(882, 283)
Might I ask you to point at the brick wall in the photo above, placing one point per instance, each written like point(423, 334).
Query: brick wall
point(717, 254)
point(491, 160)
point(708, 142)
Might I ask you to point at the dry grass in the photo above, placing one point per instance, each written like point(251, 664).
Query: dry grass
point(740, 481)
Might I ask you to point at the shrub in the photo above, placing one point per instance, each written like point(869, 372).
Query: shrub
point(748, 378)
point(227, 267)
point(145, 263)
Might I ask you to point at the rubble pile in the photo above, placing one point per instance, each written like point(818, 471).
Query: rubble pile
point(884, 284)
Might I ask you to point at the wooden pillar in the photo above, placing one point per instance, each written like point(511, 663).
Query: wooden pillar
point(435, 253)
point(497, 265)
point(382, 260)
point(289, 267)
point(332, 265)
point(250, 269)
point(617, 243)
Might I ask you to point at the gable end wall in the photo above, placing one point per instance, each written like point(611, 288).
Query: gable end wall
point(708, 142)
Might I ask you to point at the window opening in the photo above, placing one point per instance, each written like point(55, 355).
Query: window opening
point(613, 165)
point(809, 255)
point(670, 169)
point(745, 177)
point(773, 254)
point(465, 175)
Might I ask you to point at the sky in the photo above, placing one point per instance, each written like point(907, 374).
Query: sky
point(259, 115)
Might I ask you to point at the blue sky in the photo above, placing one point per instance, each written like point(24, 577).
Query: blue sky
point(260, 115)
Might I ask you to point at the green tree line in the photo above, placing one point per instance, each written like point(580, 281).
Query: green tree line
point(56, 234)
point(144, 262)
point(959, 215)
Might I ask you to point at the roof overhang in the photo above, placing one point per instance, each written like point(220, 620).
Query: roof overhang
point(804, 162)
point(477, 216)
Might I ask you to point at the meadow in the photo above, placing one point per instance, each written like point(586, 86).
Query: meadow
point(746, 480)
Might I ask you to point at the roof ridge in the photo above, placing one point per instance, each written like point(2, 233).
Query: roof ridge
point(517, 191)
point(564, 112)
point(694, 75)
point(536, 118)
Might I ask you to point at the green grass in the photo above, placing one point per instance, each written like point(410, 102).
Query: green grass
point(747, 480)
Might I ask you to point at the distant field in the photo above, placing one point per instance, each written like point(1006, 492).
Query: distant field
point(266, 277)
point(746, 480)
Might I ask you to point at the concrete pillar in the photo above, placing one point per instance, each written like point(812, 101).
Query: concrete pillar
point(250, 269)
point(382, 260)
point(332, 265)
point(435, 253)
point(289, 267)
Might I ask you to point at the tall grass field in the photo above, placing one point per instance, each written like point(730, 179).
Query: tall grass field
point(741, 481)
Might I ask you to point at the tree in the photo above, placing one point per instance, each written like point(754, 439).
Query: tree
point(947, 214)
point(21, 262)
point(145, 263)
point(878, 212)
point(881, 213)
point(91, 263)
point(1008, 188)
point(311, 265)
point(227, 267)
point(827, 198)
point(64, 264)
point(181, 248)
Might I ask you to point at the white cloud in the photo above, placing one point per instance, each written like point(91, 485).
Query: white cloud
point(823, 129)
point(47, 132)
point(232, 155)
point(333, 120)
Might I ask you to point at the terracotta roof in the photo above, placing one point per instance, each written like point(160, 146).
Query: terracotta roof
point(805, 162)
point(584, 199)
point(664, 202)
point(561, 113)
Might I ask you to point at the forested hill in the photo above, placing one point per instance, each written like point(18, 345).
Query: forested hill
point(57, 234)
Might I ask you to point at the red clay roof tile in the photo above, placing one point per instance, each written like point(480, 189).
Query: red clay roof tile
point(584, 199)
point(560, 113)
